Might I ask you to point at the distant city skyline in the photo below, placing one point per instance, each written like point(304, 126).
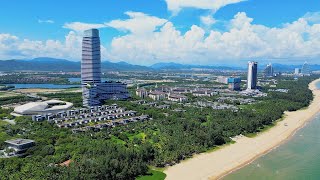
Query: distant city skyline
point(205, 32)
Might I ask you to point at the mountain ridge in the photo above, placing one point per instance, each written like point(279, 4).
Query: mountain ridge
point(55, 64)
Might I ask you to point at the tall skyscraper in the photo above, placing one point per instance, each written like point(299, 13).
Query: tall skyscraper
point(305, 70)
point(268, 71)
point(252, 75)
point(95, 92)
point(91, 58)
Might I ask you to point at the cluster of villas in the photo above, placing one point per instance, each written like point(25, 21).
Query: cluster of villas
point(213, 105)
point(111, 124)
point(152, 104)
point(113, 114)
point(279, 90)
point(253, 93)
point(235, 99)
point(174, 94)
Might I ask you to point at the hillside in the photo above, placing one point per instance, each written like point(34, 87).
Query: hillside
point(52, 64)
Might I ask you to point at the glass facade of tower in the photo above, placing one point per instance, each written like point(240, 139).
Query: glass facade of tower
point(95, 92)
point(268, 71)
point(91, 58)
point(252, 75)
point(305, 70)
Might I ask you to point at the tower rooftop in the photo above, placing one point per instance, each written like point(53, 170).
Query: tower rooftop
point(91, 33)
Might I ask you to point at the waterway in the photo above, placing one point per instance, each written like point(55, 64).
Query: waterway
point(54, 86)
point(297, 159)
point(45, 86)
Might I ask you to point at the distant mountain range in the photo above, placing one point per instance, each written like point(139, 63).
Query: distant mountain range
point(52, 64)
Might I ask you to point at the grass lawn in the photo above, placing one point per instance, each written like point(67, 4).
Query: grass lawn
point(117, 140)
point(141, 136)
point(153, 175)
point(7, 94)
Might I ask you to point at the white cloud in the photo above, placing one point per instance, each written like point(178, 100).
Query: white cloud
point(80, 26)
point(176, 5)
point(244, 40)
point(12, 47)
point(240, 21)
point(313, 17)
point(48, 21)
point(207, 20)
point(139, 23)
point(150, 40)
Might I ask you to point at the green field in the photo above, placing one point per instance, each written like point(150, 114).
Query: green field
point(7, 94)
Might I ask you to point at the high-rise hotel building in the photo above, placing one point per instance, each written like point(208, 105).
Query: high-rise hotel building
point(252, 75)
point(268, 71)
point(91, 58)
point(95, 92)
point(305, 70)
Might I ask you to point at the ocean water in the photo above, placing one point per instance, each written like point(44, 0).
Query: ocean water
point(297, 159)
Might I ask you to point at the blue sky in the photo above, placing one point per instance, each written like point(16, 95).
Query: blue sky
point(146, 32)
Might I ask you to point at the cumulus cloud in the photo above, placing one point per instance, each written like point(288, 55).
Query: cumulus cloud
point(138, 23)
point(243, 40)
point(214, 5)
point(48, 21)
point(151, 39)
point(80, 26)
point(313, 17)
point(13, 47)
point(207, 20)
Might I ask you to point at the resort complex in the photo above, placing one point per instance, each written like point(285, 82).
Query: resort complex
point(96, 92)
point(161, 90)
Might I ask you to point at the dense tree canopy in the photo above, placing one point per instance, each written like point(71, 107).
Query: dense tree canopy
point(124, 152)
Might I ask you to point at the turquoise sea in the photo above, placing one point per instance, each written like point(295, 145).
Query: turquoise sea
point(297, 159)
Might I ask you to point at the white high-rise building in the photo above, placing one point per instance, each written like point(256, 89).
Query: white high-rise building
point(95, 92)
point(305, 70)
point(91, 59)
point(268, 71)
point(252, 75)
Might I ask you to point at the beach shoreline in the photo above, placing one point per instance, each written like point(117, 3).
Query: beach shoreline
point(217, 164)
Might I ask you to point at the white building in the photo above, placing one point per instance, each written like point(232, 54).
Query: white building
point(222, 79)
point(157, 95)
point(268, 71)
point(141, 92)
point(177, 98)
point(19, 146)
point(45, 107)
point(95, 92)
point(305, 70)
point(252, 75)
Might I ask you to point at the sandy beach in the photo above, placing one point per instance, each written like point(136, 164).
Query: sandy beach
point(215, 165)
